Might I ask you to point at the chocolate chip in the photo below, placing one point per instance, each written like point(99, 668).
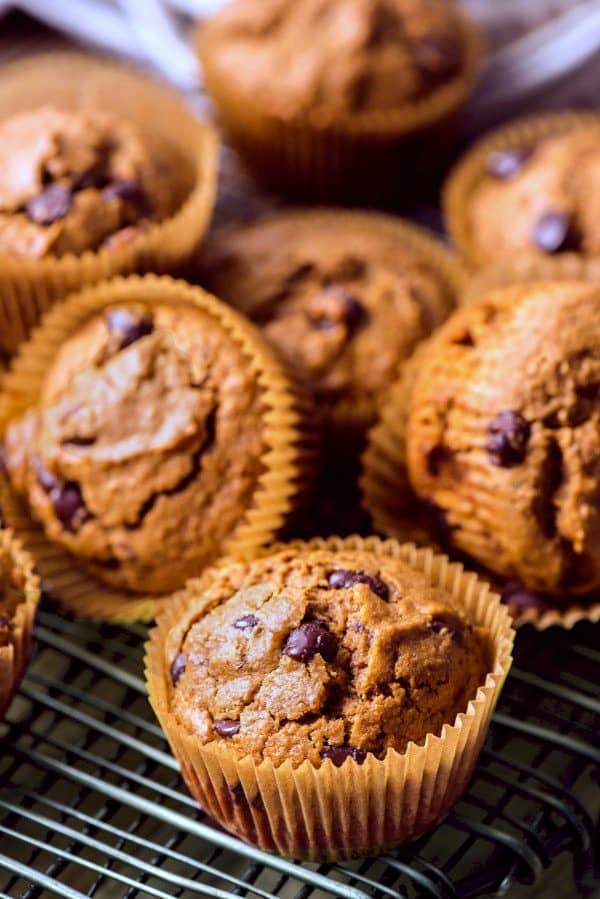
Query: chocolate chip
point(127, 191)
point(310, 638)
point(69, 506)
point(437, 457)
point(246, 622)
point(509, 435)
point(505, 164)
point(443, 626)
point(50, 206)
point(554, 232)
point(226, 727)
point(339, 754)
point(514, 594)
point(178, 667)
point(354, 311)
point(128, 326)
point(4, 622)
point(343, 579)
point(435, 57)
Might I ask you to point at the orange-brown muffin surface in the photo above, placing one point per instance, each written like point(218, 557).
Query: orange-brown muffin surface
point(503, 434)
point(71, 182)
point(342, 298)
point(543, 199)
point(144, 451)
point(318, 654)
point(334, 59)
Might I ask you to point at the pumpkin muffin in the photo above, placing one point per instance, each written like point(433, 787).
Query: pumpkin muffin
point(323, 655)
point(354, 77)
point(19, 596)
point(342, 297)
point(338, 652)
point(71, 182)
point(531, 189)
point(146, 449)
point(498, 427)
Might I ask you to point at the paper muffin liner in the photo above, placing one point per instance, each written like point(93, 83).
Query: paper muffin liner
point(289, 447)
point(329, 813)
point(361, 155)
point(187, 146)
point(529, 270)
point(396, 511)
point(15, 655)
point(469, 171)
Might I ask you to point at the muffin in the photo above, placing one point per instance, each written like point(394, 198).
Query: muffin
point(102, 171)
point(153, 425)
point(530, 189)
point(496, 428)
point(74, 182)
point(19, 596)
point(356, 82)
point(318, 667)
point(342, 297)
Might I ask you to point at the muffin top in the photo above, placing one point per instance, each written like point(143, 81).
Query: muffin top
point(144, 451)
point(341, 297)
point(316, 654)
point(541, 200)
point(334, 58)
point(71, 182)
point(503, 434)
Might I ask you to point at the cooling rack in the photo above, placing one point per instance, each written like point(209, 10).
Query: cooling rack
point(91, 802)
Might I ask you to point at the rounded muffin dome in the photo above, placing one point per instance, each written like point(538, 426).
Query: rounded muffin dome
point(342, 297)
point(340, 58)
point(503, 434)
point(321, 654)
point(75, 181)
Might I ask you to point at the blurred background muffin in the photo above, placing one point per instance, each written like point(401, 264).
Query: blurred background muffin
point(326, 97)
point(531, 188)
point(71, 182)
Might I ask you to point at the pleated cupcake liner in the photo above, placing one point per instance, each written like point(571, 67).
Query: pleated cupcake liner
point(354, 156)
point(289, 457)
point(187, 146)
point(396, 511)
point(466, 176)
point(15, 655)
point(326, 813)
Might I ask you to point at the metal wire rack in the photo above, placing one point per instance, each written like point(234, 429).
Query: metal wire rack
point(91, 803)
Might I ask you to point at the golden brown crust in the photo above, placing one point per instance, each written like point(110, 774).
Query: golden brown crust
point(321, 654)
point(71, 182)
point(501, 436)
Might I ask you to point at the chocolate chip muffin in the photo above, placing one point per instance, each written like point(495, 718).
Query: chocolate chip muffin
point(367, 71)
point(147, 451)
point(322, 655)
point(75, 181)
point(314, 695)
point(530, 189)
point(19, 596)
point(501, 437)
point(342, 297)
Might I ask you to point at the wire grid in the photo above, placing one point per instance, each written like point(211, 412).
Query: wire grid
point(91, 803)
